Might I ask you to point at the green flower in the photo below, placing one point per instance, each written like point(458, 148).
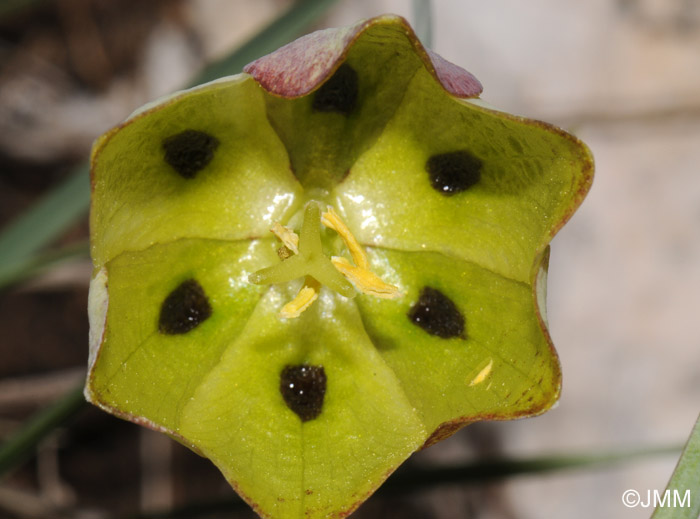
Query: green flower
point(399, 296)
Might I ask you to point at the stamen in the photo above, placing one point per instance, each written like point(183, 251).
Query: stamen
point(284, 253)
point(307, 295)
point(288, 237)
point(302, 256)
point(365, 280)
point(331, 220)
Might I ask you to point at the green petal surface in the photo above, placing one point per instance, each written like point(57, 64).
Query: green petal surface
point(286, 467)
point(519, 371)
point(323, 146)
point(139, 200)
point(142, 372)
point(530, 179)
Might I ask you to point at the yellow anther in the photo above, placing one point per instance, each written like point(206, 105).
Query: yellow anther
point(307, 295)
point(364, 280)
point(482, 374)
point(331, 220)
point(284, 253)
point(302, 256)
point(289, 238)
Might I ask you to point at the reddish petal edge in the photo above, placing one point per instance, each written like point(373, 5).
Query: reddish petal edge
point(302, 65)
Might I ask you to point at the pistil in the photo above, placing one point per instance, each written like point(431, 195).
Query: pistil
point(303, 256)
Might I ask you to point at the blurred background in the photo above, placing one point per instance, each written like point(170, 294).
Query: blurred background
point(624, 284)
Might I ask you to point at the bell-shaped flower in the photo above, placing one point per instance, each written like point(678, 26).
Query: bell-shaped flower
point(310, 270)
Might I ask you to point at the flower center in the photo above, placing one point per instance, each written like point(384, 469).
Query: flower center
point(302, 256)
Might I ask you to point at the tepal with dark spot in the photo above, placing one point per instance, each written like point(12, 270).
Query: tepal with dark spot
point(454, 172)
point(185, 308)
point(437, 314)
point(303, 388)
point(339, 93)
point(190, 151)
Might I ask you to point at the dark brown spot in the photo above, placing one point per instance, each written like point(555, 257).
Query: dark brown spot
point(303, 388)
point(184, 309)
point(189, 152)
point(454, 172)
point(339, 93)
point(437, 314)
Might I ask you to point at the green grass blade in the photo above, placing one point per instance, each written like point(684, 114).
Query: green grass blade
point(685, 481)
point(486, 470)
point(43, 262)
point(45, 220)
point(23, 444)
point(57, 210)
point(423, 21)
